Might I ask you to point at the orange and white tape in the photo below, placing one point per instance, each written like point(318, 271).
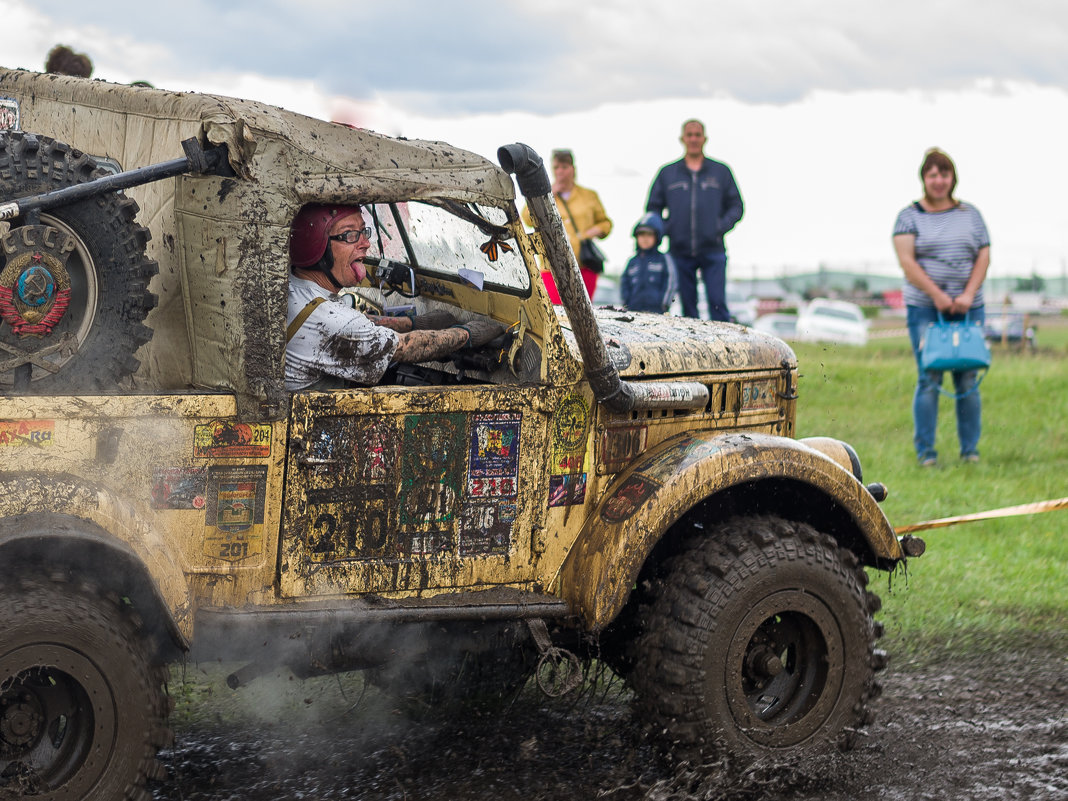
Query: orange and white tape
point(1008, 511)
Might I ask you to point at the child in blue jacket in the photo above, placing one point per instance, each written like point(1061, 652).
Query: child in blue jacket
point(649, 280)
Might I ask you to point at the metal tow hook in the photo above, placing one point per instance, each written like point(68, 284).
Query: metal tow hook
point(558, 671)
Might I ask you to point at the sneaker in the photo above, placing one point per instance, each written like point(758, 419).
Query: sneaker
point(972, 458)
point(930, 461)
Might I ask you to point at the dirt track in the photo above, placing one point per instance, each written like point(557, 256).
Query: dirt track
point(989, 727)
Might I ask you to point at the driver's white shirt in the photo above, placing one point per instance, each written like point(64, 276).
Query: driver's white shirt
point(335, 340)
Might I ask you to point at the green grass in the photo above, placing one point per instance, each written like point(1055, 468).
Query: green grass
point(990, 584)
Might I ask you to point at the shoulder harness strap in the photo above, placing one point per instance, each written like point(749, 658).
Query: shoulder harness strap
point(302, 317)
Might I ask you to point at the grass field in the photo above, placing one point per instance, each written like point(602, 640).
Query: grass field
point(980, 585)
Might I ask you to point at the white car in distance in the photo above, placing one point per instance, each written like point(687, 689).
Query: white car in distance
point(837, 321)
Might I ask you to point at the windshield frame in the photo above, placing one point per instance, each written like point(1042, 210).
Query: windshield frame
point(473, 215)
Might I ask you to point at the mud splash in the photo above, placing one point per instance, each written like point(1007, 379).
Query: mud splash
point(983, 728)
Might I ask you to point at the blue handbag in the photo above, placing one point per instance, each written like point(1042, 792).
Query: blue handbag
point(957, 346)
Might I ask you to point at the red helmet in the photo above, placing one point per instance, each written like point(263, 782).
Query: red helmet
point(308, 237)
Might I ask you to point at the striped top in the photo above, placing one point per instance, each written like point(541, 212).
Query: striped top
point(947, 244)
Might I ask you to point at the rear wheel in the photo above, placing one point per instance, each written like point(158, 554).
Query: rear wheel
point(104, 282)
point(759, 644)
point(81, 705)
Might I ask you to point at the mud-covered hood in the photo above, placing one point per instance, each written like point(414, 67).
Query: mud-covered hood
point(654, 345)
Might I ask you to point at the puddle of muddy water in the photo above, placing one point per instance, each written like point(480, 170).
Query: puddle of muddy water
point(994, 727)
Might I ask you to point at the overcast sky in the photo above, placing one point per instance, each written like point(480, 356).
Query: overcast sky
point(822, 108)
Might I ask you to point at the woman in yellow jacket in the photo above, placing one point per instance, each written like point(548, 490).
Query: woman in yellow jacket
point(582, 214)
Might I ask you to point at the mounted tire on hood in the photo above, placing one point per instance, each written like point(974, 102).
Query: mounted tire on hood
point(73, 285)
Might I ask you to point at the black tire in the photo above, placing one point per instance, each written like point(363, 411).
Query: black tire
point(82, 708)
point(759, 645)
point(460, 672)
point(109, 272)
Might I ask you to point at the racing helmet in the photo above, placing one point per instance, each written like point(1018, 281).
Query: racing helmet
point(308, 237)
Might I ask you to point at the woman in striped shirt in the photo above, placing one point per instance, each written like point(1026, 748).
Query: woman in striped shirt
point(944, 250)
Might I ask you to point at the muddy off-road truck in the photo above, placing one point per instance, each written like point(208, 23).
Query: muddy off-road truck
point(594, 485)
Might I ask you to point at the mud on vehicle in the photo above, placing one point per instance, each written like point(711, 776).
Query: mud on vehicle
point(596, 484)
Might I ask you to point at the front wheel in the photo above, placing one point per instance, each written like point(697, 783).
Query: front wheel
point(759, 643)
point(81, 706)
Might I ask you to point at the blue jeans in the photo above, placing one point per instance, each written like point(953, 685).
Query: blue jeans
point(713, 269)
point(925, 401)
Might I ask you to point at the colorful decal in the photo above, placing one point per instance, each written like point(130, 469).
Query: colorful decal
point(494, 455)
point(234, 511)
point(9, 114)
point(570, 460)
point(34, 285)
point(376, 450)
point(569, 423)
point(27, 433)
point(626, 500)
point(225, 439)
point(686, 451)
point(568, 490)
point(178, 488)
point(486, 528)
point(759, 395)
point(432, 477)
point(621, 445)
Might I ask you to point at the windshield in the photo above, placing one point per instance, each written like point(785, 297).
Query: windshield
point(454, 240)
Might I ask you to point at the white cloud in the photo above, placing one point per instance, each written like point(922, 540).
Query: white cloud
point(557, 55)
point(822, 109)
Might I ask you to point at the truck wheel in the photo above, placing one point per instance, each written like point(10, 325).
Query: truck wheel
point(759, 645)
point(108, 274)
point(81, 706)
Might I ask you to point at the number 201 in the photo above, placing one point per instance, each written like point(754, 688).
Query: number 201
point(233, 550)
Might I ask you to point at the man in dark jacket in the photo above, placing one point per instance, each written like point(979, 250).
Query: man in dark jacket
point(703, 204)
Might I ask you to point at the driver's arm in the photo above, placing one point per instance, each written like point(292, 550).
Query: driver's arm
point(429, 346)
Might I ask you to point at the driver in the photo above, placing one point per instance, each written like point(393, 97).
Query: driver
point(326, 336)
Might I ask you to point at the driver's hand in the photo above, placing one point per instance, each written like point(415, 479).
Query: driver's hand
point(433, 320)
point(481, 332)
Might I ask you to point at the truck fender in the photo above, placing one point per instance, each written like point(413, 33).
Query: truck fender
point(40, 512)
point(653, 493)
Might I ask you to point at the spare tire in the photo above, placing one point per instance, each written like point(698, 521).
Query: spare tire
point(100, 325)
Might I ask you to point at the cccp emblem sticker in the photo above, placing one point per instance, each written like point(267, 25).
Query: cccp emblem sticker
point(35, 286)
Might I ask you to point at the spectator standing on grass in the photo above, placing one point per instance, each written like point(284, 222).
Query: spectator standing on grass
point(702, 203)
point(944, 250)
point(583, 217)
point(649, 281)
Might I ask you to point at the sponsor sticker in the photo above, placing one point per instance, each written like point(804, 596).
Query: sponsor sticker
point(628, 498)
point(9, 114)
point(179, 488)
point(27, 433)
point(621, 445)
point(226, 439)
point(234, 512)
point(486, 528)
point(494, 455)
point(567, 490)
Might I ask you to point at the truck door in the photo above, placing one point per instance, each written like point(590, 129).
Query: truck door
point(401, 489)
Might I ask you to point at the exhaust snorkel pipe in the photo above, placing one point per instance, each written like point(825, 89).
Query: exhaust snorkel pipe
point(619, 396)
